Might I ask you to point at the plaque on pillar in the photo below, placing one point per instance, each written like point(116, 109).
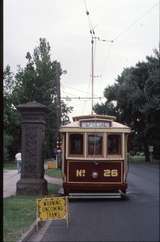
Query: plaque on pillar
point(32, 180)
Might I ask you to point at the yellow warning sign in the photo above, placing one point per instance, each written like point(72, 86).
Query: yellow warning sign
point(52, 208)
point(52, 165)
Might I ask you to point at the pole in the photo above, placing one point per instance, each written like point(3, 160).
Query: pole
point(92, 42)
point(59, 102)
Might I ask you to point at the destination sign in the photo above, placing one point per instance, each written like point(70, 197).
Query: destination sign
point(95, 124)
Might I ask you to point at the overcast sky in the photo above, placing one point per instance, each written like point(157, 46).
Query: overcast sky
point(132, 24)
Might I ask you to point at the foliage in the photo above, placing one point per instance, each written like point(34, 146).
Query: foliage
point(37, 81)
point(54, 172)
point(136, 95)
point(11, 131)
point(10, 165)
point(105, 109)
point(136, 159)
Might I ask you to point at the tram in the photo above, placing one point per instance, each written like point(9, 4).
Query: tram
point(94, 157)
point(94, 151)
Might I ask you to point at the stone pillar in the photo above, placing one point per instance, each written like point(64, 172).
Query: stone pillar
point(32, 180)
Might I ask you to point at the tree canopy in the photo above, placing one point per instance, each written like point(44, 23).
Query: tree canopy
point(37, 81)
point(134, 99)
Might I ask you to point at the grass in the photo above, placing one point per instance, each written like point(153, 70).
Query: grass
point(10, 166)
point(53, 189)
point(19, 213)
point(54, 172)
point(136, 159)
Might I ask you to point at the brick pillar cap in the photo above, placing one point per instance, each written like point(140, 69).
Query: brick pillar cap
point(32, 105)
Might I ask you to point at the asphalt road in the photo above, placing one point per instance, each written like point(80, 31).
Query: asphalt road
point(136, 219)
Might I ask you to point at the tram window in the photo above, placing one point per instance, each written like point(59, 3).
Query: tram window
point(114, 144)
point(95, 144)
point(76, 144)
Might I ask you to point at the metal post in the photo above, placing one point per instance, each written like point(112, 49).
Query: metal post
point(151, 148)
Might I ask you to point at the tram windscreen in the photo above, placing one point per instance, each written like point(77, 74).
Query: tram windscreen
point(114, 145)
point(76, 144)
point(95, 144)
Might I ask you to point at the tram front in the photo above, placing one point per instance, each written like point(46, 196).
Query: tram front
point(94, 157)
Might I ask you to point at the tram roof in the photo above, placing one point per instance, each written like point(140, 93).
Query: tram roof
point(94, 116)
point(103, 118)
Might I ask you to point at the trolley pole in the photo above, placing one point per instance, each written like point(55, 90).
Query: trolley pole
point(92, 74)
point(59, 102)
point(58, 156)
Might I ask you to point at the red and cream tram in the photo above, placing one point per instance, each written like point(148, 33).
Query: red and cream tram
point(94, 157)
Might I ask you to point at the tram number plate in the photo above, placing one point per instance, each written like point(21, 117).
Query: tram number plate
point(107, 173)
point(80, 172)
point(111, 173)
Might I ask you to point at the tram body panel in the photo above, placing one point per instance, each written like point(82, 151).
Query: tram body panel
point(94, 159)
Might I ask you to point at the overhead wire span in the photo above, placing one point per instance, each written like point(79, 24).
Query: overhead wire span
point(135, 22)
point(72, 96)
point(81, 98)
point(73, 88)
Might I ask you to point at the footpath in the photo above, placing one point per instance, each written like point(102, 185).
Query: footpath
point(10, 178)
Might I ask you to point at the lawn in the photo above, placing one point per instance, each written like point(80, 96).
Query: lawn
point(10, 165)
point(54, 172)
point(136, 159)
point(20, 213)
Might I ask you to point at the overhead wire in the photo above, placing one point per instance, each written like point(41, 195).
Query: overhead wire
point(118, 35)
point(89, 19)
point(135, 22)
point(129, 27)
point(73, 96)
point(78, 90)
point(81, 98)
point(94, 37)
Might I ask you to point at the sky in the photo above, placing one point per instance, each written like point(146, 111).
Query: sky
point(133, 25)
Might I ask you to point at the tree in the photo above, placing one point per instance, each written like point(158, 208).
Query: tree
point(105, 109)
point(38, 81)
point(136, 93)
point(11, 117)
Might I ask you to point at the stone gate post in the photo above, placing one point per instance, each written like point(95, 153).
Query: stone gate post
point(32, 180)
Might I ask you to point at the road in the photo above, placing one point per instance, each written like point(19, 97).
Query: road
point(136, 219)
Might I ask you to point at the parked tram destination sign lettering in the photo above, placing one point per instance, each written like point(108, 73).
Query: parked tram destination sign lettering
point(52, 208)
point(95, 124)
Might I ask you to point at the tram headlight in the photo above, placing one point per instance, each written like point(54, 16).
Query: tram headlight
point(94, 174)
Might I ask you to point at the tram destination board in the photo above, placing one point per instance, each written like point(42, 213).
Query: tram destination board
point(95, 124)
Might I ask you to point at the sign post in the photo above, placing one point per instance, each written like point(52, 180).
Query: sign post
point(52, 208)
point(150, 147)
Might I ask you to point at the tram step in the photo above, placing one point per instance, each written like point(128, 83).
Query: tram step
point(94, 195)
